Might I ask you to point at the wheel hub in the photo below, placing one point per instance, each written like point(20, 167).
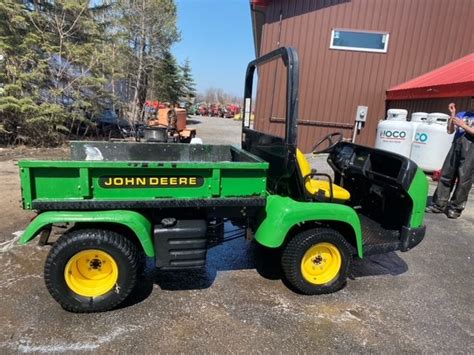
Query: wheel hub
point(95, 264)
point(318, 260)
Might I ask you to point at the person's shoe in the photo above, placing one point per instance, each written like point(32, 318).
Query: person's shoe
point(434, 209)
point(453, 214)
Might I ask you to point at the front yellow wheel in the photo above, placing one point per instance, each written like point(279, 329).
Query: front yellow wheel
point(91, 273)
point(321, 263)
point(316, 261)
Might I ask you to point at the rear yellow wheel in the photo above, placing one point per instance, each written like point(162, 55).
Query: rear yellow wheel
point(321, 264)
point(91, 273)
point(91, 270)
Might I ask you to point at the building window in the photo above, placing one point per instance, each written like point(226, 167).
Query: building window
point(364, 41)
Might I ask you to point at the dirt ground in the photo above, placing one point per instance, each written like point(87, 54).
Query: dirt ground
point(414, 302)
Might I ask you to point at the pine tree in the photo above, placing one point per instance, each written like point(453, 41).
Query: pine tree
point(169, 80)
point(62, 62)
point(19, 65)
point(52, 69)
point(188, 84)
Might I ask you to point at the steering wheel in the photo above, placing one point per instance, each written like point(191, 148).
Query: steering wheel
point(332, 139)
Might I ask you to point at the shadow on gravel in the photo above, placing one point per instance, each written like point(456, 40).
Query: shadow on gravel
point(376, 265)
point(192, 121)
point(239, 254)
point(141, 292)
point(267, 264)
point(234, 254)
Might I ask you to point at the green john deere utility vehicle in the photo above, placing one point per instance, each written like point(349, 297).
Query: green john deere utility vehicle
point(169, 201)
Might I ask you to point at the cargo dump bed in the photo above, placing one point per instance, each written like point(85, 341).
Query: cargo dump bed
point(144, 175)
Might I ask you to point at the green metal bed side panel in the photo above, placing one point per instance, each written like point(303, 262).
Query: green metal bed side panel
point(26, 185)
point(108, 180)
point(418, 192)
point(282, 213)
point(236, 182)
point(138, 223)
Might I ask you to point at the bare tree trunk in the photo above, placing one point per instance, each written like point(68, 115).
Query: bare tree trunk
point(112, 81)
point(141, 65)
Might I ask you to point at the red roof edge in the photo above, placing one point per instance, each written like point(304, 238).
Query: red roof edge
point(455, 79)
point(437, 92)
point(261, 3)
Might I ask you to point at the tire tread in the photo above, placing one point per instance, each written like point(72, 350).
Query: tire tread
point(102, 237)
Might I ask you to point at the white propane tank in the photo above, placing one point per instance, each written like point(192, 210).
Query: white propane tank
point(395, 134)
point(432, 142)
point(416, 119)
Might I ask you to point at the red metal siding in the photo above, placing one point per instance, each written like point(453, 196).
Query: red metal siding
point(424, 35)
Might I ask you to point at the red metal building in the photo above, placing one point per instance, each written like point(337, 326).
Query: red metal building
point(351, 52)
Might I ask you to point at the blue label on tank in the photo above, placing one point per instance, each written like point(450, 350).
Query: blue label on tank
point(421, 137)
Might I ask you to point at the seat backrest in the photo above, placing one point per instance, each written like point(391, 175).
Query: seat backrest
point(303, 164)
point(303, 168)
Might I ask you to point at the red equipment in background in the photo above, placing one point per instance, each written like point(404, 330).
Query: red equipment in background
point(233, 109)
point(203, 111)
point(214, 110)
point(154, 104)
point(217, 110)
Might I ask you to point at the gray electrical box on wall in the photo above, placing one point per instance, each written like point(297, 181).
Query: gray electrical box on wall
point(361, 118)
point(361, 115)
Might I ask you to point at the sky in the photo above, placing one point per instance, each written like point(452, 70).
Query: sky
point(216, 36)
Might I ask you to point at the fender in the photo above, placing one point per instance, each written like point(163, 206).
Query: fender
point(418, 192)
point(282, 213)
point(138, 223)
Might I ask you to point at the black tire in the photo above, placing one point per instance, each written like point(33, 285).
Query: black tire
point(295, 250)
point(123, 251)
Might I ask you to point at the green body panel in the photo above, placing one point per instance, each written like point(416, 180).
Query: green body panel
point(282, 213)
point(139, 224)
point(418, 192)
point(79, 180)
